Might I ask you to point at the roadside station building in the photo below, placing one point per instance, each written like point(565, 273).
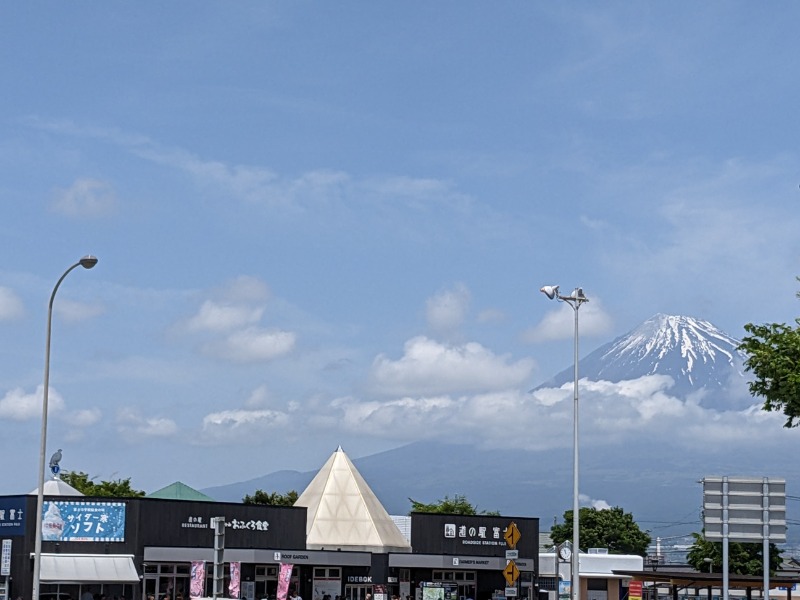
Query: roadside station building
point(338, 538)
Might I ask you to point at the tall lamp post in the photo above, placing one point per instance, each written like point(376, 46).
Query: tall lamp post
point(87, 262)
point(575, 299)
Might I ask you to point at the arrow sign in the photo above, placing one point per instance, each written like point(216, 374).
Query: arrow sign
point(511, 573)
point(512, 535)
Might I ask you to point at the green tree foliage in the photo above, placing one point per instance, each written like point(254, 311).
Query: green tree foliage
point(458, 505)
point(743, 559)
point(117, 488)
point(610, 528)
point(272, 499)
point(773, 356)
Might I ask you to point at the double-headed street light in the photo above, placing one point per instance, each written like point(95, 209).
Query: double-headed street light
point(575, 299)
point(87, 262)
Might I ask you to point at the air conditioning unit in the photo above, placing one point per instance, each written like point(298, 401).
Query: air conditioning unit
point(598, 550)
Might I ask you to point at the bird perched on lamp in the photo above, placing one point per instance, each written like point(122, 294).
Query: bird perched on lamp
point(54, 460)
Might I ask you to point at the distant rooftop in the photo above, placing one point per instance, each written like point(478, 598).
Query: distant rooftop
point(180, 491)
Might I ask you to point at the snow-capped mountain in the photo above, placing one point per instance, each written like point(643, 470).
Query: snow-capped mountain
point(693, 352)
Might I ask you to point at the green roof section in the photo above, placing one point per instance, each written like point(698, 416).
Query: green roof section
point(180, 491)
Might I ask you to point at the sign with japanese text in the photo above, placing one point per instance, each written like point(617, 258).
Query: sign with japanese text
point(5, 561)
point(475, 535)
point(246, 525)
point(84, 521)
point(12, 516)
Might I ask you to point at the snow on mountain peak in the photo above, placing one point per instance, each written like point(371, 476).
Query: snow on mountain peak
point(662, 335)
point(693, 352)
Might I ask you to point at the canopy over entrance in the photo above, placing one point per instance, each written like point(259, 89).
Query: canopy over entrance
point(88, 568)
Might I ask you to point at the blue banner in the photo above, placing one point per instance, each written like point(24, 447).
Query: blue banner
point(84, 521)
point(12, 516)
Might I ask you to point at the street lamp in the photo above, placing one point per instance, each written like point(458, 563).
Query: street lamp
point(87, 262)
point(575, 299)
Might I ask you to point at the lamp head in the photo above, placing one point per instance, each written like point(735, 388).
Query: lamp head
point(88, 261)
point(578, 294)
point(551, 291)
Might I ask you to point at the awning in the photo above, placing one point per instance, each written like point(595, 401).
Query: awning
point(83, 568)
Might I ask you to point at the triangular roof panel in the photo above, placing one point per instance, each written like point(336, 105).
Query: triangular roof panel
point(180, 491)
point(343, 512)
point(56, 487)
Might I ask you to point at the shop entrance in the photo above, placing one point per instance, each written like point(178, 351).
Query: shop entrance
point(357, 592)
point(463, 581)
point(166, 581)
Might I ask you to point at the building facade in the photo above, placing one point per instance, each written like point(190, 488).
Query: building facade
point(138, 547)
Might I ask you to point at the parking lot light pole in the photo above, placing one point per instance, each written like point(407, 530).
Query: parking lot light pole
point(575, 299)
point(87, 262)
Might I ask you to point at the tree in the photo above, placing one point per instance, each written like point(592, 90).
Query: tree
point(743, 559)
point(610, 528)
point(773, 356)
point(117, 488)
point(458, 505)
point(271, 499)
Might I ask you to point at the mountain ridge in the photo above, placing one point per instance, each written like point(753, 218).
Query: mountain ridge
point(656, 481)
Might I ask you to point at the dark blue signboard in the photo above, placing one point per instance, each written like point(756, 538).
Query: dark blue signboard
point(12, 515)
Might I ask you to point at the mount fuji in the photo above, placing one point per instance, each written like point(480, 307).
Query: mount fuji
point(701, 360)
point(661, 406)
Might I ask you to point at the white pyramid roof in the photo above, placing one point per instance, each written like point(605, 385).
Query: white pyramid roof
point(56, 487)
point(343, 512)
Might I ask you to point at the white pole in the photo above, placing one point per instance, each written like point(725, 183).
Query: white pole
point(87, 262)
point(725, 542)
point(765, 533)
point(574, 300)
point(576, 535)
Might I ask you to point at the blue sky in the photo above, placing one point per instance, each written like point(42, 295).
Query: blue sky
point(327, 223)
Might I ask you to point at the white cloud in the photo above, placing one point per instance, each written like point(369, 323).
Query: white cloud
point(594, 503)
point(86, 198)
point(70, 310)
point(236, 419)
point(428, 367)
point(241, 426)
point(238, 303)
point(10, 305)
point(134, 426)
point(213, 316)
point(231, 320)
point(83, 418)
point(17, 405)
point(623, 414)
point(447, 309)
point(252, 345)
point(559, 323)
point(401, 416)
point(258, 398)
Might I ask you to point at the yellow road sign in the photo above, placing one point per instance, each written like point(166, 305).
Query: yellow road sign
point(511, 573)
point(512, 535)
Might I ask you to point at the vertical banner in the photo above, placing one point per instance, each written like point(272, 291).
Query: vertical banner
point(5, 562)
point(284, 577)
point(197, 579)
point(233, 586)
point(635, 590)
